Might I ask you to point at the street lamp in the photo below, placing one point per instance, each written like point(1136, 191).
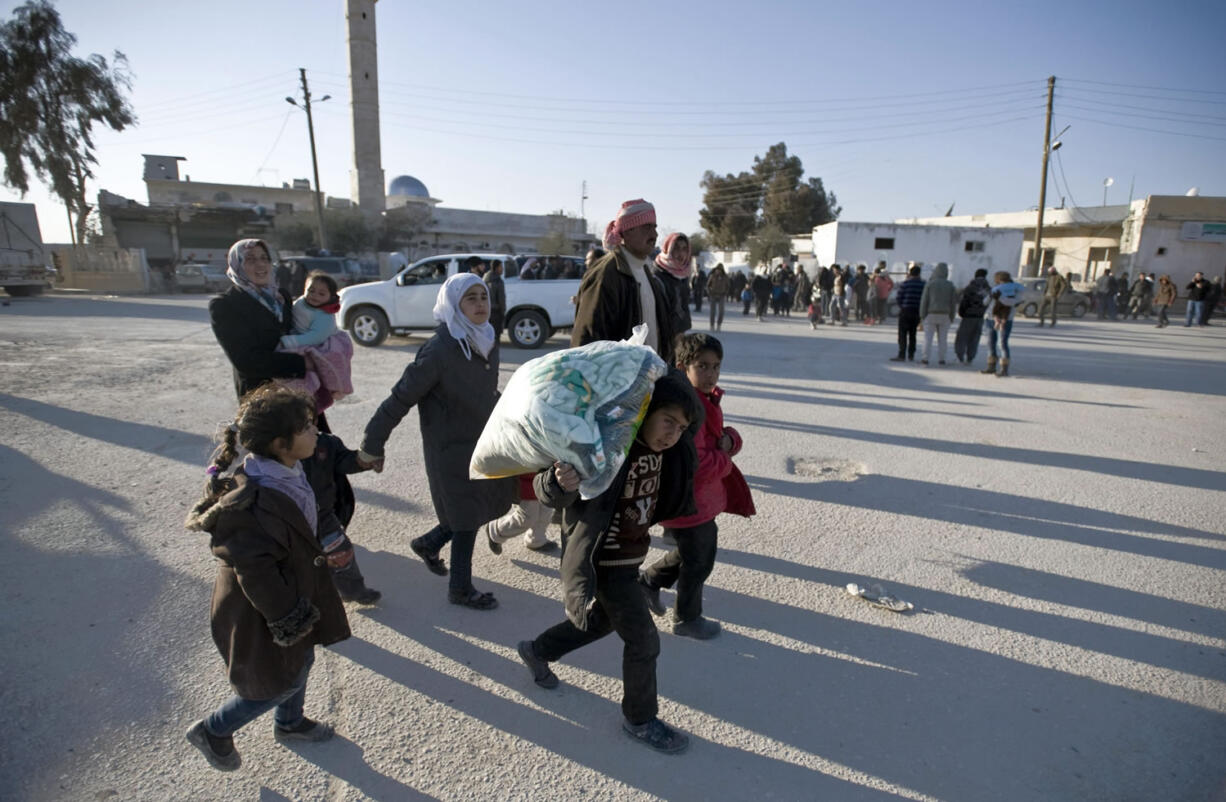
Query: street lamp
point(306, 106)
point(1108, 181)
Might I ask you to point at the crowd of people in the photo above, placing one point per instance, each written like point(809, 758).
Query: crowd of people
point(278, 503)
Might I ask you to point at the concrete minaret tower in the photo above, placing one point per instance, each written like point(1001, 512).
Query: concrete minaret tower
point(366, 178)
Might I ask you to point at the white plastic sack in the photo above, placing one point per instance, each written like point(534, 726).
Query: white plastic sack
point(579, 405)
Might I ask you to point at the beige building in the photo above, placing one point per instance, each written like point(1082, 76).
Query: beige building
point(1173, 234)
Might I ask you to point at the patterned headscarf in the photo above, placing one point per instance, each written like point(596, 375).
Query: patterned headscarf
point(632, 214)
point(234, 271)
point(665, 260)
point(447, 311)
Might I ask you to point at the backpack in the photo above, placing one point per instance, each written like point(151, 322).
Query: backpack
point(973, 303)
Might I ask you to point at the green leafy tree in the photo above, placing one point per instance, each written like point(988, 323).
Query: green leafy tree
point(348, 232)
point(49, 103)
point(729, 210)
point(788, 201)
point(769, 242)
point(699, 243)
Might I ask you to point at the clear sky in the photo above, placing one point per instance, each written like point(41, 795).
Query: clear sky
point(901, 107)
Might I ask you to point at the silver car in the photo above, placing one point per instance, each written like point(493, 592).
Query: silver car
point(1071, 304)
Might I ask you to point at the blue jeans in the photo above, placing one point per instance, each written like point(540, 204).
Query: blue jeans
point(1195, 309)
point(237, 712)
point(460, 578)
point(1004, 337)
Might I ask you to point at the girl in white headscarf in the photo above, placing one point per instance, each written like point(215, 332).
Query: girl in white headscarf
point(453, 381)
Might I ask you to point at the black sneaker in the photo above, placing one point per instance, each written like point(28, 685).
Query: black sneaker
point(658, 735)
point(366, 596)
point(305, 730)
point(898, 358)
point(219, 752)
point(699, 629)
point(542, 674)
point(652, 595)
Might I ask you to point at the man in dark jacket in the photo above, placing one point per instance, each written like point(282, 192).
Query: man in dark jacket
point(972, 306)
point(1056, 287)
point(619, 292)
point(1198, 290)
point(605, 540)
point(498, 297)
point(908, 297)
point(1104, 295)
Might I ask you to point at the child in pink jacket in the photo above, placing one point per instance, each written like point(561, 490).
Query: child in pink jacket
point(718, 487)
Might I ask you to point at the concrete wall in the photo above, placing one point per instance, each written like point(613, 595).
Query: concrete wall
point(101, 269)
point(180, 192)
point(854, 243)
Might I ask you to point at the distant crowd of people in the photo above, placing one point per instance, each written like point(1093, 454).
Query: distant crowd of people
point(1115, 297)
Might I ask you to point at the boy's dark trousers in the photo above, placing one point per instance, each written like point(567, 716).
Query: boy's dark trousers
point(620, 607)
point(687, 566)
point(908, 321)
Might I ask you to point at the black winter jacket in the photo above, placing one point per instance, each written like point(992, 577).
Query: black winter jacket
point(585, 524)
point(250, 334)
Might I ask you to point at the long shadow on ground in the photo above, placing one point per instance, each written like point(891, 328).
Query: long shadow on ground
point(1128, 469)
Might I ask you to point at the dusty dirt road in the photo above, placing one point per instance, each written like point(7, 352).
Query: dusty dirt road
point(1062, 534)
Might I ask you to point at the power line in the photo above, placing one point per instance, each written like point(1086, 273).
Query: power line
point(1164, 113)
point(1155, 88)
point(723, 103)
point(189, 99)
point(1151, 130)
point(1142, 116)
point(275, 142)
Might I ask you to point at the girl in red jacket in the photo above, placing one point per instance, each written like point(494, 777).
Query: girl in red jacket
point(718, 487)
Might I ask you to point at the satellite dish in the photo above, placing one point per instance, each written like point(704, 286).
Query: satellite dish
point(1193, 192)
point(1108, 182)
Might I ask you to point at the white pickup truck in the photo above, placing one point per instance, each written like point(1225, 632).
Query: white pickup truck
point(536, 308)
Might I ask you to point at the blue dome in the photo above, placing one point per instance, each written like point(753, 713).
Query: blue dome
point(407, 185)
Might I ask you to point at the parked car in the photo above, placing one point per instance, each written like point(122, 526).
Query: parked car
point(405, 302)
point(535, 266)
point(1072, 303)
point(345, 270)
point(201, 278)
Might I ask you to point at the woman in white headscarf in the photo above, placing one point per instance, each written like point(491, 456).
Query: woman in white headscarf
point(453, 381)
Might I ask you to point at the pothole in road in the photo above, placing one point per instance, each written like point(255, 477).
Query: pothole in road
point(826, 470)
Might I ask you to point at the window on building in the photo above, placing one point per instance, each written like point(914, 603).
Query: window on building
point(883, 244)
point(285, 208)
point(221, 197)
point(974, 246)
point(1049, 257)
point(1162, 251)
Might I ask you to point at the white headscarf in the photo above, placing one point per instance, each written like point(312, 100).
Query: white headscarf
point(447, 311)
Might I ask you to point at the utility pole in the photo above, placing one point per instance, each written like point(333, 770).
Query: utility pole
point(319, 201)
point(1038, 228)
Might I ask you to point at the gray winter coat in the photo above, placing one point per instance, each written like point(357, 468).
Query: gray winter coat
point(455, 397)
point(940, 297)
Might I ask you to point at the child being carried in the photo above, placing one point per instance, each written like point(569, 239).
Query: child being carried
point(328, 350)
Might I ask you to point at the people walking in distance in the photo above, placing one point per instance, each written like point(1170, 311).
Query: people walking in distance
point(453, 381)
point(1211, 300)
point(1141, 296)
point(825, 285)
point(937, 306)
point(698, 286)
point(1122, 285)
point(273, 598)
point(803, 289)
point(859, 288)
point(498, 297)
point(908, 296)
point(621, 290)
point(1164, 296)
point(718, 487)
point(762, 290)
point(1104, 295)
point(1056, 287)
point(1198, 290)
point(972, 306)
point(882, 285)
point(1006, 294)
point(842, 288)
point(717, 295)
point(737, 281)
point(606, 541)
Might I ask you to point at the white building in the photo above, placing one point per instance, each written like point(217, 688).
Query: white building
point(964, 249)
point(1173, 234)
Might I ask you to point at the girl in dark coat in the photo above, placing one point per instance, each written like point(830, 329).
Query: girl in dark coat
point(453, 381)
point(675, 269)
point(273, 599)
